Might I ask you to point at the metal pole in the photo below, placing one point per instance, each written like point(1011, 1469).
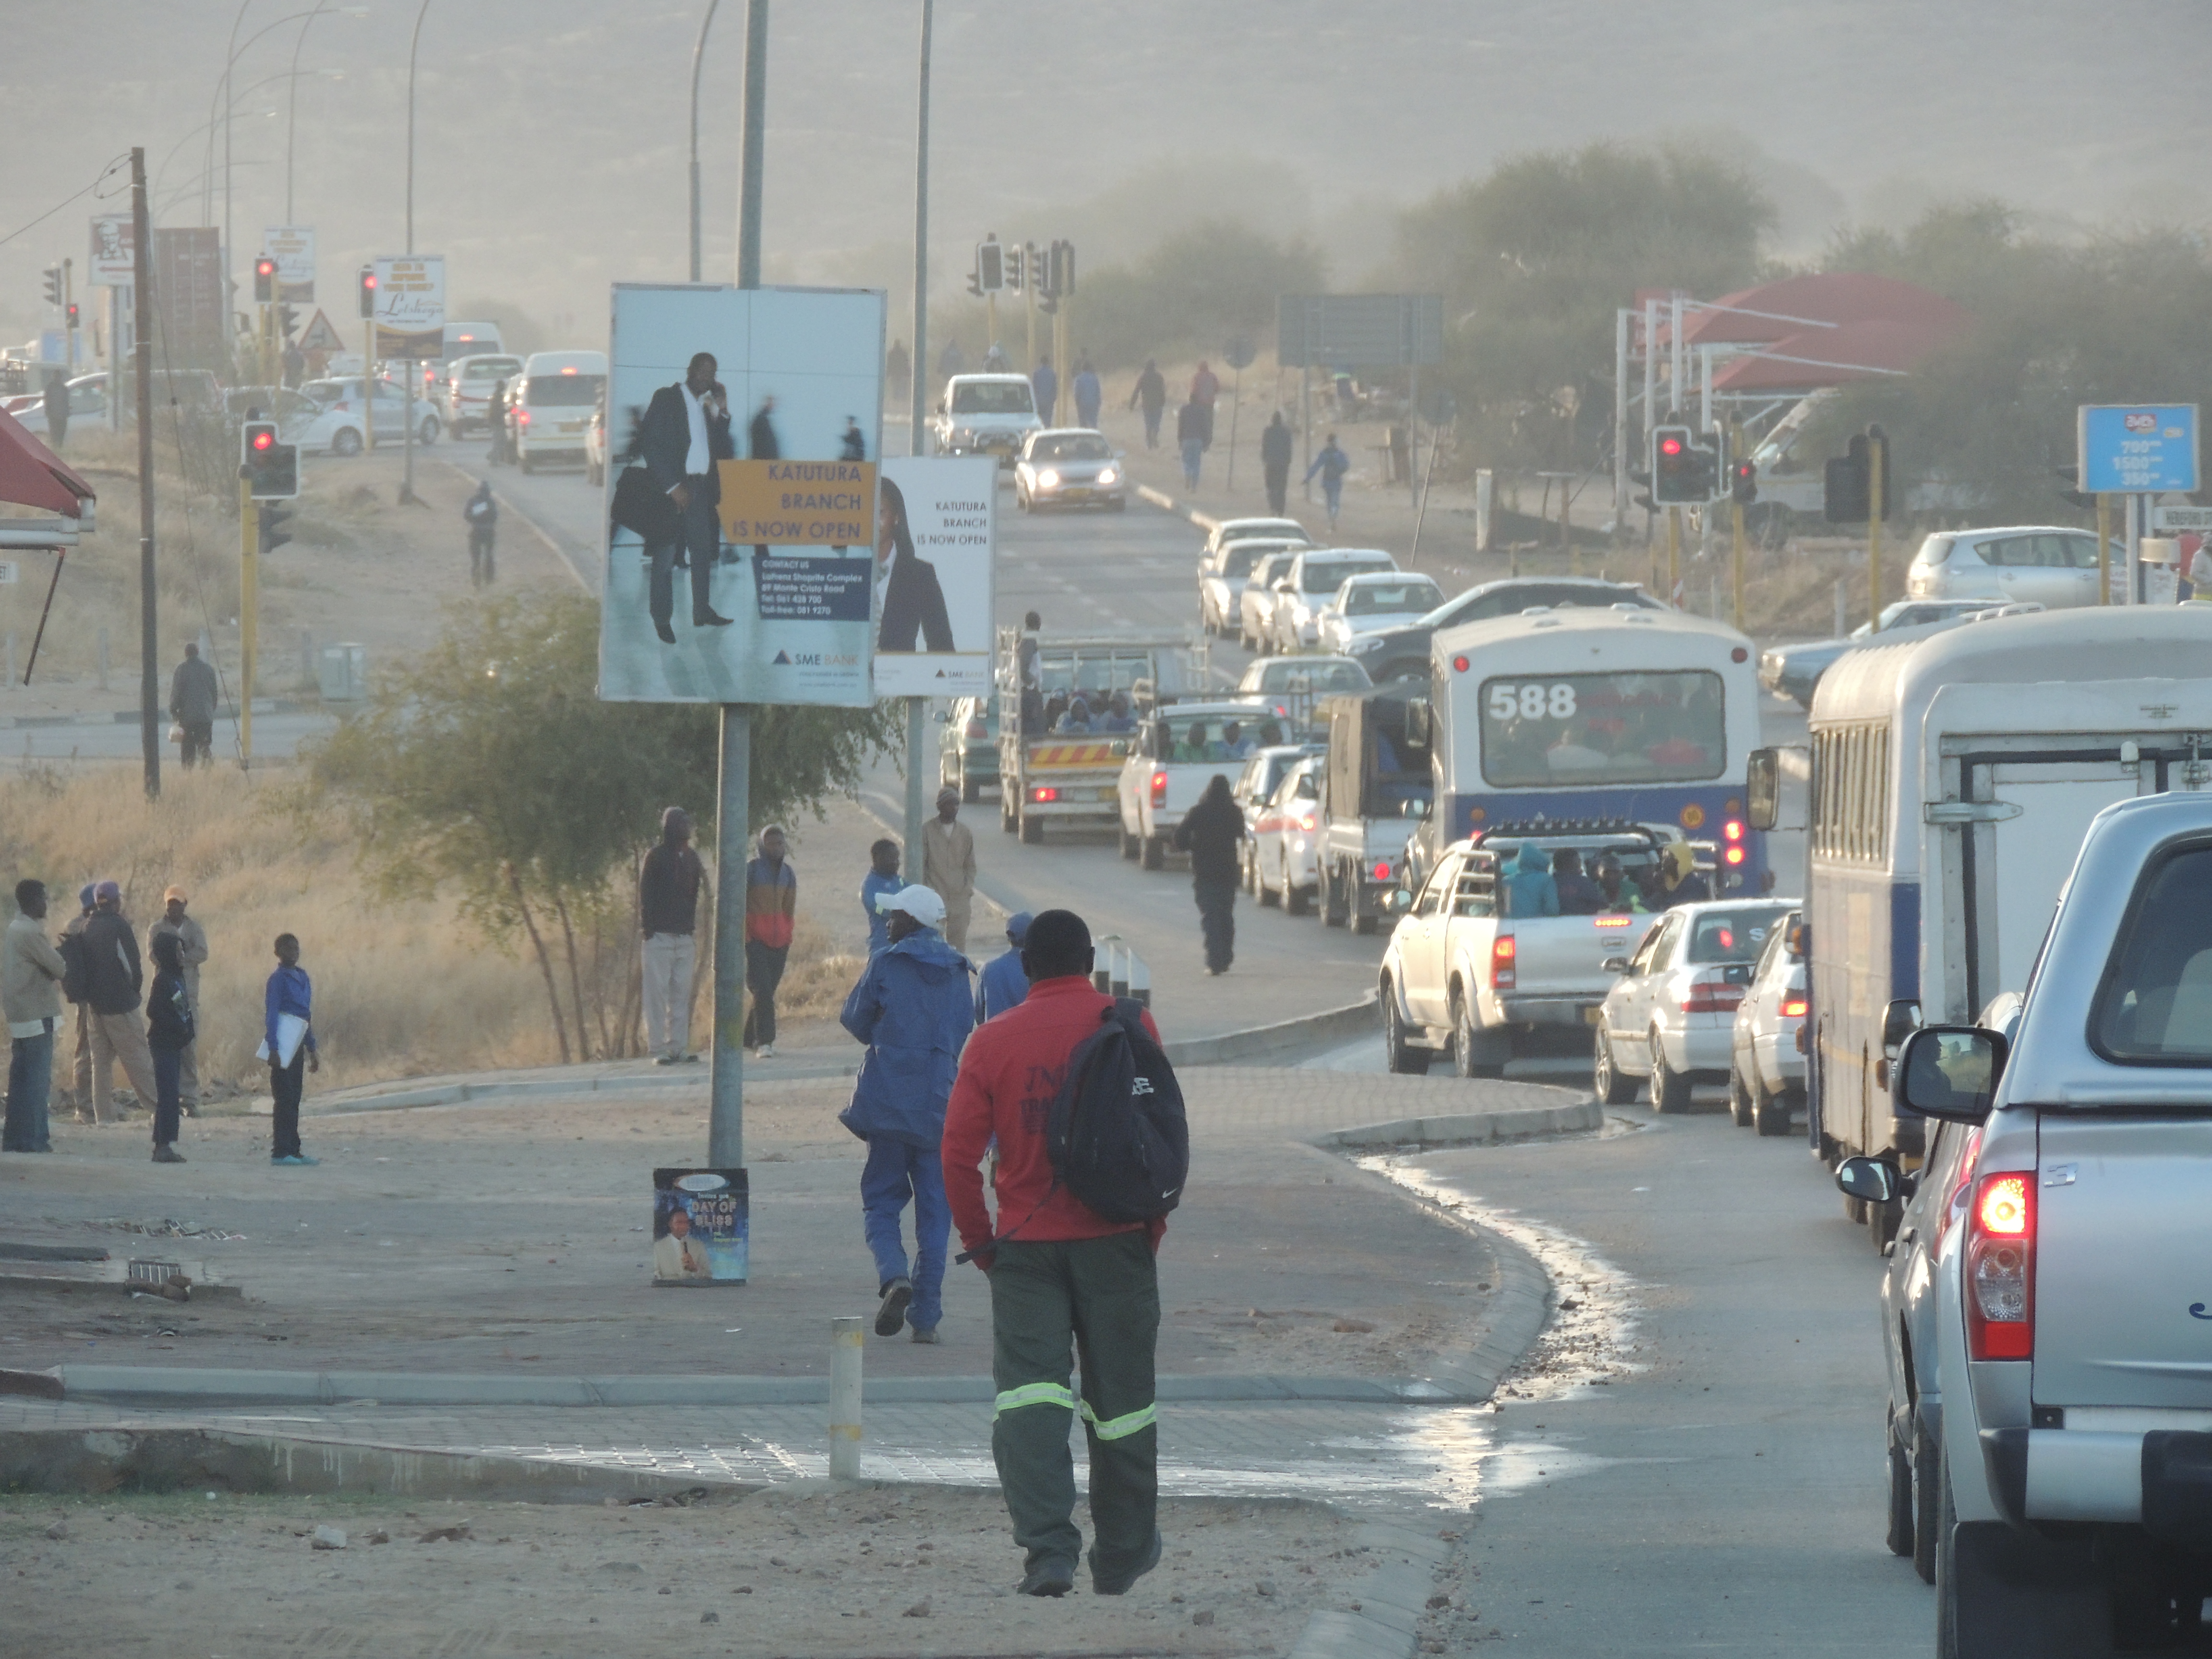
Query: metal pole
point(114, 360)
point(2104, 550)
point(1650, 391)
point(1676, 364)
point(845, 1356)
point(698, 56)
point(1735, 526)
point(1236, 408)
point(292, 111)
point(750, 163)
point(917, 734)
point(249, 616)
point(413, 42)
point(917, 442)
point(1305, 431)
point(2134, 510)
point(1414, 434)
point(1620, 427)
point(1873, 534)
point(1674, 554)
point(142, 276)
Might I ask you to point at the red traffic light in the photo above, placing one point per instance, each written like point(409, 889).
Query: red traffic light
point(264, 267)
point(1670, 446)
point(264, 441)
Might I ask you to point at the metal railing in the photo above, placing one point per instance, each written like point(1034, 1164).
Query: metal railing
point(1119, 970)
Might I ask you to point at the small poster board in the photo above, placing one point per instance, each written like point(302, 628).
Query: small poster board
point(701, 1227)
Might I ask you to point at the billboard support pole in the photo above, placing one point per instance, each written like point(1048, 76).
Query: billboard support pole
point(726, 1111)
point(149, 670)
point(2104, 550)
point(917, 739)
point(917, 442)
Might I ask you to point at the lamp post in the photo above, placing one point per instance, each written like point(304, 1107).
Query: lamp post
point(413, 42)
point(698, 55)
point(918, 377)
point(291, 113)
point(407, 496)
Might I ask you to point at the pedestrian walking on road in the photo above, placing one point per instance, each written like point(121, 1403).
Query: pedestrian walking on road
point(1002, 984)
point(502, 449)
point(948, 865)
point(482, 514)
point(1190, 438)
point(31, 972)
point(193, 694)
point(169, 1032)
point(1088, 394)
point(1211, 833)
point(1205, 388)
point(57, 405)
point(881, 883)
point(1046, 384)
point(1332, 464)
point(668, 882)
point(771, 913)
point(1151, 393)
point(115, 980)
point(1275, 463)
point(193, 949)
point(288, 1043)
point(1063, 1277)
point(912, 1008)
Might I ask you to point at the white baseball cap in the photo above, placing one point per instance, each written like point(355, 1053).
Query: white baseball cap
point(921, 902)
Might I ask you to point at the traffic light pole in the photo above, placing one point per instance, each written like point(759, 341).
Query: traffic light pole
point(249, 614)
point(1736, 520)
point(2104, 550)
point(1673, 555)
point(142, 296)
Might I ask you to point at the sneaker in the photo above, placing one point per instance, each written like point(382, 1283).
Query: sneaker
point(892, 1314)
point(766, 1051)
point(928, 1335)
point(667, 1060)
point(168, 1154)
point(687, 1059)
point(1118, 1585)
point(296, 1160)
point(1051, 1577)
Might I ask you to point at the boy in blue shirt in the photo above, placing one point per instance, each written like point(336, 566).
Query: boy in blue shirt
point(880, 883)
point(289, 993)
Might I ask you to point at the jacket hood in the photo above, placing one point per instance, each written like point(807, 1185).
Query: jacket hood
point(930, 954)
point(1531, 861)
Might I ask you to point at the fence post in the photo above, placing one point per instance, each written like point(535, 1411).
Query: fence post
point(845, 1351)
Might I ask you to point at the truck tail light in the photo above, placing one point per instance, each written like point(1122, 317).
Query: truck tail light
point(1712, 996)
point(1159, 789)
point(1044, 792)
point(1503, 976)
point(1792, 1006)
point(2001, 1267)
point(1381, 869)
point(1310, 822)
point(522, 417)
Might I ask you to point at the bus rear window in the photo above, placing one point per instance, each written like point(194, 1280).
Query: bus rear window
point(564, 390)
point(1543, 730)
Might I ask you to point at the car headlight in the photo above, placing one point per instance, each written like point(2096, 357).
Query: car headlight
point(1048, 479)
point(1108, 475)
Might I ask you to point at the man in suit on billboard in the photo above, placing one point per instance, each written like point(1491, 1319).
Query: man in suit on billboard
point(685, 431)
point(909, 600)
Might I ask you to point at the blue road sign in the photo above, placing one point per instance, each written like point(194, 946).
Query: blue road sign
point(2137, 449)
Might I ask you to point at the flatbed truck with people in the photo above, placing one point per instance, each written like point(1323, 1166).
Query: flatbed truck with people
point(1377, 788)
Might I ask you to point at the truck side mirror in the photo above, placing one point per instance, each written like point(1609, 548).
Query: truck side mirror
point(1420, 723)
point(1899, 1021)
point(1397, 902)
point(1762, 788)
point(1949, 1071)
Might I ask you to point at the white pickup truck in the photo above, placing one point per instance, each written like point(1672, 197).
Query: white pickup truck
point(1176, 756)
point(1460, 978)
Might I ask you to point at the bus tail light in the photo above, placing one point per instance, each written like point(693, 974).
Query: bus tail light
point(1503, 973)
point(2001, 1267)
point(1732, 839)
point(1159, 789)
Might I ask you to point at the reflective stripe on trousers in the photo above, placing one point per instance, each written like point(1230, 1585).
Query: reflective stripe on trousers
point(1058, 1394)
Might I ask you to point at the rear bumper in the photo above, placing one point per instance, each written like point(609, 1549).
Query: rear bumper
point(2160, 1480)
point(1571, 1010)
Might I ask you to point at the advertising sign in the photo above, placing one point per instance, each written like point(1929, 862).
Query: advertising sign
point(936, 560)
point(410, 306)
point(702, 1227)
point(2137, 449)
point(293, 248)
point(114, 245)
point(1358, 330)
point(738, 565)
point(190, 320)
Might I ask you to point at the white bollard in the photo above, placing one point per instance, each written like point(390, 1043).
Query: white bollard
point(845, 1351)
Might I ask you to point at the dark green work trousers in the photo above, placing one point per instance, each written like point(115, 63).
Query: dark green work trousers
point(1102, 1295)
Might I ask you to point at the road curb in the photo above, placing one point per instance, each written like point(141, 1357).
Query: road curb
point(1391, 1600)
point(1167, 503)
point(1466, 1129)
point(457, 1094)
point(1353, 1019)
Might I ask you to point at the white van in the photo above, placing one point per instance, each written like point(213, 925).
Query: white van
point(550, 409)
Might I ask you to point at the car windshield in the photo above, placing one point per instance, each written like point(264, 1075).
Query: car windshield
point(563, 391)
point(1551, 729)
point(1416, 593)
point(1085, 448)
point(1097, 674)
point(992, 398)
point(2156, 1006)
point(1277, 568)
point(1292, 675)
point(1732, 935)
point(1327, 576)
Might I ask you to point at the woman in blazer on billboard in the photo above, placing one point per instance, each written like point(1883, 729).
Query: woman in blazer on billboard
point(912, 604)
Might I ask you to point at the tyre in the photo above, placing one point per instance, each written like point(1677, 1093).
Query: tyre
point(1739, 1100)
point(1032, 830)
point(1267, 896)
point(427, 434)
point(1613, 1086)
point(1471, 1056)
point(1334, 912)
point(1882, 1221)
point(1947, 1562)
point(346, 442)
point(1770, 1111)
point(1297, 900)
point(1899, 1535)
point(1006, 820)
point(1398, 1054)
point(1155, 852)
point(524, 463)
point(1670, 1090)
point(1926, 1496)
point(1362, 921)
point(1126, 841)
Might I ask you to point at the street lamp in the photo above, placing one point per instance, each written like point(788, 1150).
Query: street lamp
point(223, 93)
point(292, 113)
point(698, 53)
point(413, 42)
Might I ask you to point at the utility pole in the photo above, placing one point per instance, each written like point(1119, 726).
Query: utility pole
point(1620, 428)
point(1877, 448)
point(1735, 517)
point(1673, 553)
point(2104, 548)
point(918, 380)
point(698, 57)
point(149, 668)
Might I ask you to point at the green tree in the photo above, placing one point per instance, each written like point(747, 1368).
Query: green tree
point(488, 762)
point(1193, 292)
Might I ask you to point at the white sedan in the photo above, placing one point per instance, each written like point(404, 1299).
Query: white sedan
point(1670, 1016)
point(87, 402)
point(1286, 866)
point(1766, 1064)
point(339, 423)
point(1222, 575)
point(1374, 599)
point(1069, 467)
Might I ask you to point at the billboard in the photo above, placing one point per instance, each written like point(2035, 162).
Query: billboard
point(410, 306)
point(293, 248)
point(935, 562)
point(192, 323)
point(113, 248)
point(2137, 449)
point(1358, 330)
point(738, 560)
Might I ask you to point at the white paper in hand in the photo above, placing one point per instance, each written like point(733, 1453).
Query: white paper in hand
point(291, 1032)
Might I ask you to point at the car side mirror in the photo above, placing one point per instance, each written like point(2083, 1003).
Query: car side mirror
point(1949, 1071)
point(1614, 965)
point(1800, 940)
point(1397, 902)
point(943, 719)
point(1762, 788)
point(1868, 1179)
point(1899, 1021)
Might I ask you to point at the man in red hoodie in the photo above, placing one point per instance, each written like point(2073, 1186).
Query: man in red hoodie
point(1060, 1273)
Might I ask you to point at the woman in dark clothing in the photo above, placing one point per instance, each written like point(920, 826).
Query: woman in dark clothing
point(1210, 832)
point(168, 1033)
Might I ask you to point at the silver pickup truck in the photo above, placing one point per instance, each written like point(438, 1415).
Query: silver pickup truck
point(2073, 1320)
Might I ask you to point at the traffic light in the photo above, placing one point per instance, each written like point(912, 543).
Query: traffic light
point(53, 285)
point(1710, 469)
point(1743, 481)
point(1037, 272)
point(264, 279)
point(1063, 269)
point(1675, 467)
point(273, 519)
point(1849, 484)
point(288, 321)
point(368, 290)
point(72, 314)
point(271, 469)
point(990, 267)
point(1017, 269)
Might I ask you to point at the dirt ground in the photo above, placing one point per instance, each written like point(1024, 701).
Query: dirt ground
point(867, 1572)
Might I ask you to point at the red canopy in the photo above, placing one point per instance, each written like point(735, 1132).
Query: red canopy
point(31, 475)
point(1828, 296)
point(1815, 357)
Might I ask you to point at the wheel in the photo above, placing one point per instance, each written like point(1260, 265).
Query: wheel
point(1334, 911)
point(1297, 902)
point(427, 434)
point(1739, 1100)
point(1899, 1536)
point(1670, 1090)
point(524, 462)
point(1882, 1221)
point(346, 442)
point(1770, 1111)
point(1471, 1057)
point(1261, 891)
point(1128, 842)
point(1947, 1562)
point(1399, 1055)
point(1926, 1484)
point(1155, 852)
point(1362, 921)
point(1612, 1088)
point(1032, 830)
point(1006, 820)
point(971, 789)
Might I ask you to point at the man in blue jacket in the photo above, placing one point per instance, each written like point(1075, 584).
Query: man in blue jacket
point(1527, 884)
point(1005, 983)
point(913, 1009)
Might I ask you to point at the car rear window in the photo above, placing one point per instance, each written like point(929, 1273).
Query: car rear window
point(1732, 935)
point(1327, 576)
point(490, 369)
point(1371, 598)
point(1071, 449)
point(563, 391)
point(987, 398)
point(2155, 1007)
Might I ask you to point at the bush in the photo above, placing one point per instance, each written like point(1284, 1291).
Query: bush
point(1191, 295)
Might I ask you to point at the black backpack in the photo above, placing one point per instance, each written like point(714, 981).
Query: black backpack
point(1117, 1135)
point(76, 967)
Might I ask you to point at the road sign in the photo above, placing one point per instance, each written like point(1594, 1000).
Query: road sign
point(410, 306)
point(113, 244)
point(2178, 519)
point(293, 248)
point(1359, 331)
point(320, 336)
point(2137, 449)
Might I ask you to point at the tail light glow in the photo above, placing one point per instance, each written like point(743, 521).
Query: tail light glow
point(2001, 1267)
point(1611, 922)
point(1381, 869)
point(1712, 996)
point(1458, 665)
point(1793, 1007)
point(1159, 789)
point(1505, 973)
point(522, 417)
point(1044, 792)
point(1732, 855)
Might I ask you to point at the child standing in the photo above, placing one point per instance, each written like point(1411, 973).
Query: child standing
point(289, 993)
point(168, 1034)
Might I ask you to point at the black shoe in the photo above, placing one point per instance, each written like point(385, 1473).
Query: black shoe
point(891, 1315)
point(1050, 1577)
point(165, 1153)
point(668, 634)
point(1120, 1585)
point(710, 619)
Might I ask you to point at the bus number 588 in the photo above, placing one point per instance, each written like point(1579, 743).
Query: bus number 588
point(1532, 702)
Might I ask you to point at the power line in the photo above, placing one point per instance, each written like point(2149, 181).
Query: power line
point(119, 161)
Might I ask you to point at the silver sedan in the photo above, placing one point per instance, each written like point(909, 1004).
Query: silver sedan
point(1069, 467)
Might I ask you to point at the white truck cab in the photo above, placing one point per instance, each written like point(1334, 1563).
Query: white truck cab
point(986, 415)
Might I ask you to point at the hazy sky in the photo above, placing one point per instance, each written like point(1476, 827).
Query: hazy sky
point(550, 137)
